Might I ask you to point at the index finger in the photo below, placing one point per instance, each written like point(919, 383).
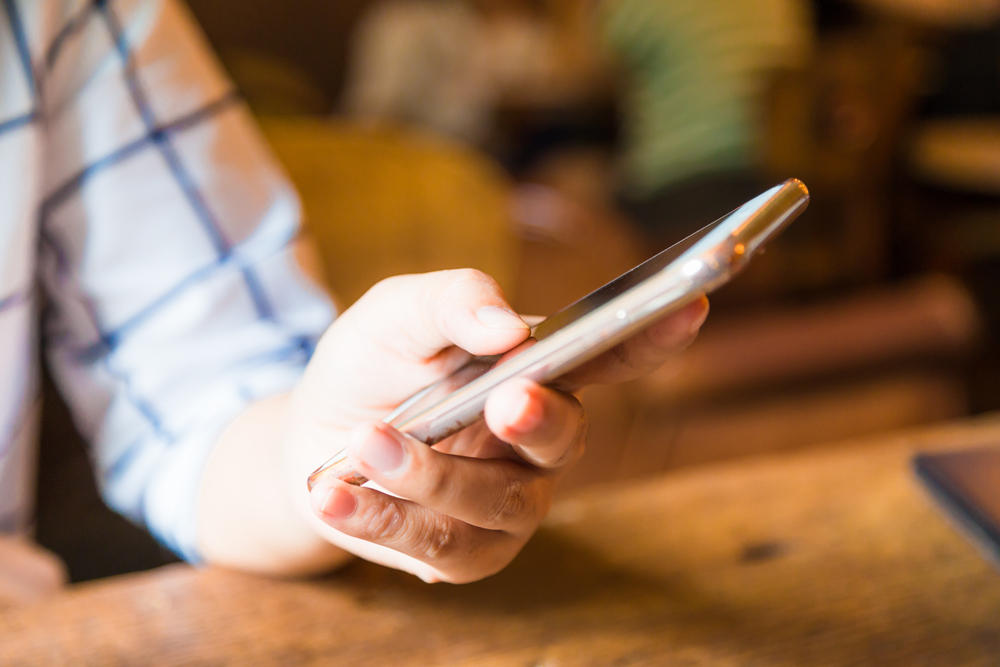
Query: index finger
point(644, 352)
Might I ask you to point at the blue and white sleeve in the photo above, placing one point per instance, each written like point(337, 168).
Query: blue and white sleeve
point(167, 252)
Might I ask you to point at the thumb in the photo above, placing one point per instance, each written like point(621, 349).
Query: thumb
point(404, 334)
point(418, 316)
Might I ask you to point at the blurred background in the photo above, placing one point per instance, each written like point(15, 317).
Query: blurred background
point(556, 143)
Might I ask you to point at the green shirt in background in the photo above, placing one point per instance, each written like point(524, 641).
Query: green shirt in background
point(696, 71)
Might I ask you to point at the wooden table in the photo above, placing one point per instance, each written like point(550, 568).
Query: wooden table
point(832, 557)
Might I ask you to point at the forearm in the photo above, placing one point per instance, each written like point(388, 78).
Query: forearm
point(248, 514)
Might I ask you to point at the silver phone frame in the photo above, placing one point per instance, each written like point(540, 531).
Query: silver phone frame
point(708, 263)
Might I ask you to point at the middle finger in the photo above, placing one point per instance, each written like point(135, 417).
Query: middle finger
point(645, 351)
point(494, 494)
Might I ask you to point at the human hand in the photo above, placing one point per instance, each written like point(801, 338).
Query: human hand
point(463, 509)
point(28, 572)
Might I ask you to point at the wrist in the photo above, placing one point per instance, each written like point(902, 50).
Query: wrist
point(248, 519)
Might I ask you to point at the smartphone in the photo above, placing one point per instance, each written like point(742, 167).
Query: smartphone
point(966, 484)
point(680, 274)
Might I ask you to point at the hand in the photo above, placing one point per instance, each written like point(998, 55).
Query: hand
point(27, 572)
point(463, 509)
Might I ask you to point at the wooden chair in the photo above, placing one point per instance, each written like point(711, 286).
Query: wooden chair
point(385, 201)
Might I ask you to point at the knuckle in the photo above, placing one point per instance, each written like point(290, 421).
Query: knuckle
point(513, 500)
point(471, 275)
point(438, 539)
point(461, 281)
point(435, 481)
point(623, 356)
point(384, 521)
point(427, 536)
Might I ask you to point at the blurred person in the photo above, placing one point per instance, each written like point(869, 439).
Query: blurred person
point(441, 64)
point(695, 74)
point(445, 65)
point(198, 358)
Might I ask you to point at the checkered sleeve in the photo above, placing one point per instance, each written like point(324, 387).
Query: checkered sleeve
point(167, 240)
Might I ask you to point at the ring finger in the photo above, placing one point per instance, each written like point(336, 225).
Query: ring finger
point(457, 550)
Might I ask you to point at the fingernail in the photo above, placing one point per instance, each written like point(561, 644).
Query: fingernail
point(698, 321)
point(376, 448)
point(519, 412)
point(499, 318)
point(338, 504)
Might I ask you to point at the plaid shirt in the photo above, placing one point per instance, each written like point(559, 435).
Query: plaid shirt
point(139, 198)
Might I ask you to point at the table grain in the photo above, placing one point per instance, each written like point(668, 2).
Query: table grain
point(829, 557)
